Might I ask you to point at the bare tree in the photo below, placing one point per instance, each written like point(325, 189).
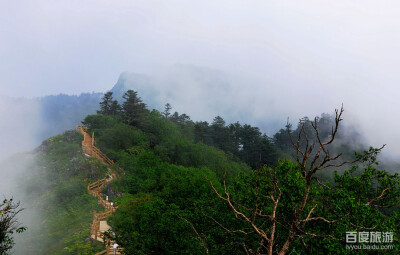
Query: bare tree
point(311, 157)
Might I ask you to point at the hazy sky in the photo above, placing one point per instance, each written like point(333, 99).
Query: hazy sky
point(281, 59)
point(292, 58)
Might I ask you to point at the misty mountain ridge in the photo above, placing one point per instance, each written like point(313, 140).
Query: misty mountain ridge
point(127, 81)
point(30, 121)
point(181, 83)
point(210, 94)
point(165, 150)
point(201, 92)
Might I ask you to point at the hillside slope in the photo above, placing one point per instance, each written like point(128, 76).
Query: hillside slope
point(53, 190)
point(172, 174)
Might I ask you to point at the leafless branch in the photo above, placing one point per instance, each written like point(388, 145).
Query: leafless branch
point(311, 156)
point(360, 227)
point(239, 214)
point(323, 219)
point(379, 197)
point(224, 228)
point(203, 241)
point(317, 235)
point(322, 184)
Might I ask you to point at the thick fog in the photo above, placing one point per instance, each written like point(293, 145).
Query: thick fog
point(20, 119)
point(257, 62)
point(253, 61)
point(280, 58)
point(18, 126)
point(20, 122)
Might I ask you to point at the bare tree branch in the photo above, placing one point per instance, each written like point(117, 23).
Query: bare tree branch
point(238, 213)
point(203, 241)
point(311, 156)
point(379, 197)
point(360, 227)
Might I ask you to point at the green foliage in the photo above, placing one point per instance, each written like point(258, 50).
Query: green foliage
point(169, 207)
point(121, 137)
point(9, 224)
point(245, 142)
point(109, 106)
point(134, 109)
point(170, 171)
point(162, 220)
point(96, 123)
point(167, 110)
point(74, 244)
point(57, 187)
point(346, 141)
point(167, 140)
point(361, 199)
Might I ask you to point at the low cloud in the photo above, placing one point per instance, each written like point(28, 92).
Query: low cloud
point(20, 121)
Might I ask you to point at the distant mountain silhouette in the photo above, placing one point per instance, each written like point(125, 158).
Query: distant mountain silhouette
point(63, 112)
point(145, 85)
point(27, 122)
point(200, 92)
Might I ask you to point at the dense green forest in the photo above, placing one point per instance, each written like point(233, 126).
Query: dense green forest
point(56, 199)
point(193, 187)
point(176, 170)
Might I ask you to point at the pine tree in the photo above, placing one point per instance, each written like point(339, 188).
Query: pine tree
point(167, 110)
point(133, 108)
point(106, 104)
point(115, 108)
